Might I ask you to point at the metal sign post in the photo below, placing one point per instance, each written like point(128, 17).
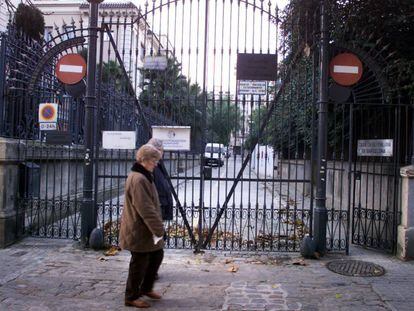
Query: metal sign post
point(320, 214)
point(88, 212)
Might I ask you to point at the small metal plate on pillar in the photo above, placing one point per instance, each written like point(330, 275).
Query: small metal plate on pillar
point(76, 90)
point(355, 268)
point(338, 93)
point(58, 138)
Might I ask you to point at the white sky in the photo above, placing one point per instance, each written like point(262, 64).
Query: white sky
point(231, 29)
point(228, 29)
point(280, 3)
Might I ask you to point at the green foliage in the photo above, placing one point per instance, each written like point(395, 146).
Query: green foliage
point(84, 53)
point(172, 95)
point(385, 25)
point(113, 73)
point(170, 92)
point(30, 20)
point(223, 118)
point(289, 126)
point(389, 24)
point(382, 27)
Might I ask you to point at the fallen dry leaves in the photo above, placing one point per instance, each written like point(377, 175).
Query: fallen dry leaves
point(300, 262)
point(233, 269)
point(112, 251)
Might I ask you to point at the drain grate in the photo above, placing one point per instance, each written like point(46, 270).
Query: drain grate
point(355, 268)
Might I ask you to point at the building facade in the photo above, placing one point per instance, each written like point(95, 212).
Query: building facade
point(4, 15)
point(68, 16)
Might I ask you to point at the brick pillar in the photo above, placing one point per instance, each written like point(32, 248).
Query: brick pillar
point(405, 243)
point(10, 223)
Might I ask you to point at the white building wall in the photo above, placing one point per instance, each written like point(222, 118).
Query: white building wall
point(4, 15)
point(264, 160)
point(70, 12)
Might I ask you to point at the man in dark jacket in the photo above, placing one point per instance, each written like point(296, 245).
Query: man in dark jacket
point(161, 182)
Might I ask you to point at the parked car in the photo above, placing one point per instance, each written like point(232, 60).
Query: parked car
point(214, 154)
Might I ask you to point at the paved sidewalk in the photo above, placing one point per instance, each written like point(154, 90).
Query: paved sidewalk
point(41, 274)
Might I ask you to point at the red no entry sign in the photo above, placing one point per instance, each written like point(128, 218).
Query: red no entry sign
point(346, 69)
point(70, 69)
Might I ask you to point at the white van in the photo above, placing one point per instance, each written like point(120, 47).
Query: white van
point(214, 154)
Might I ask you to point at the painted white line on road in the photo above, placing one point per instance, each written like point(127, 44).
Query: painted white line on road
point(70, 68)
point(345, 69)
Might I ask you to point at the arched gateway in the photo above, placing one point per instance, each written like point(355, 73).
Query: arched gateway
point(231, 88)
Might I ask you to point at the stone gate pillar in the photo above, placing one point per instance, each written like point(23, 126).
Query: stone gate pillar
point(10, 223)
point(405, 242)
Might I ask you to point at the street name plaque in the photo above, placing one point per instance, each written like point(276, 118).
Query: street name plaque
point(247, 87)
point(375, 147)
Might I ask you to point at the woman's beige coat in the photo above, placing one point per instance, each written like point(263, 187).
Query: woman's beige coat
point(141, 217)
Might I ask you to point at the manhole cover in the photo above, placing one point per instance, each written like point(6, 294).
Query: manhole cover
point(355, 268)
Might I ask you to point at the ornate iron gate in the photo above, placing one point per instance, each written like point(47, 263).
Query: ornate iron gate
point(49, 174)
point(260, 196)
point(375, 180)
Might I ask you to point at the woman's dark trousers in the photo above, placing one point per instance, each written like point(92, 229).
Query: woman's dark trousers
point(143, 268)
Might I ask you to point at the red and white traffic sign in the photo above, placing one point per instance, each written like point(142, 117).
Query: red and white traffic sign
point(346, 69)
point(71, 68)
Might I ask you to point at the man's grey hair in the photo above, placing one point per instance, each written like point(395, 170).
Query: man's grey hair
point(157, 143)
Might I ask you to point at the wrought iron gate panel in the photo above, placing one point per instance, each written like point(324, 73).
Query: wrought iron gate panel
point(50, 175)
point(375, 180)
point(270, 198)
point(363, 190)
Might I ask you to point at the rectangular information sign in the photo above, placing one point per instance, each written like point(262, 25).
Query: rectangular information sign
point(155, 62)
point(173, 137)
point(58, 138)
point(262, 67)
point(375, 147)
point(118, 140)
point(248, 87)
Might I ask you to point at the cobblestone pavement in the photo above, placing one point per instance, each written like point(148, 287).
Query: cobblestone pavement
point(40, 274)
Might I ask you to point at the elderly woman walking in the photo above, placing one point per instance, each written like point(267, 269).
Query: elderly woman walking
point(142, 228)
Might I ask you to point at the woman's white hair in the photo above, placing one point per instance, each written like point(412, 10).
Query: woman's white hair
point(147, 152)
point(157, 143)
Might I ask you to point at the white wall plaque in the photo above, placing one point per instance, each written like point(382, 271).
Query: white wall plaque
point(155, 62)
point(375, 147)
point(118, 139)
point(173, 137)
point(247, 87)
